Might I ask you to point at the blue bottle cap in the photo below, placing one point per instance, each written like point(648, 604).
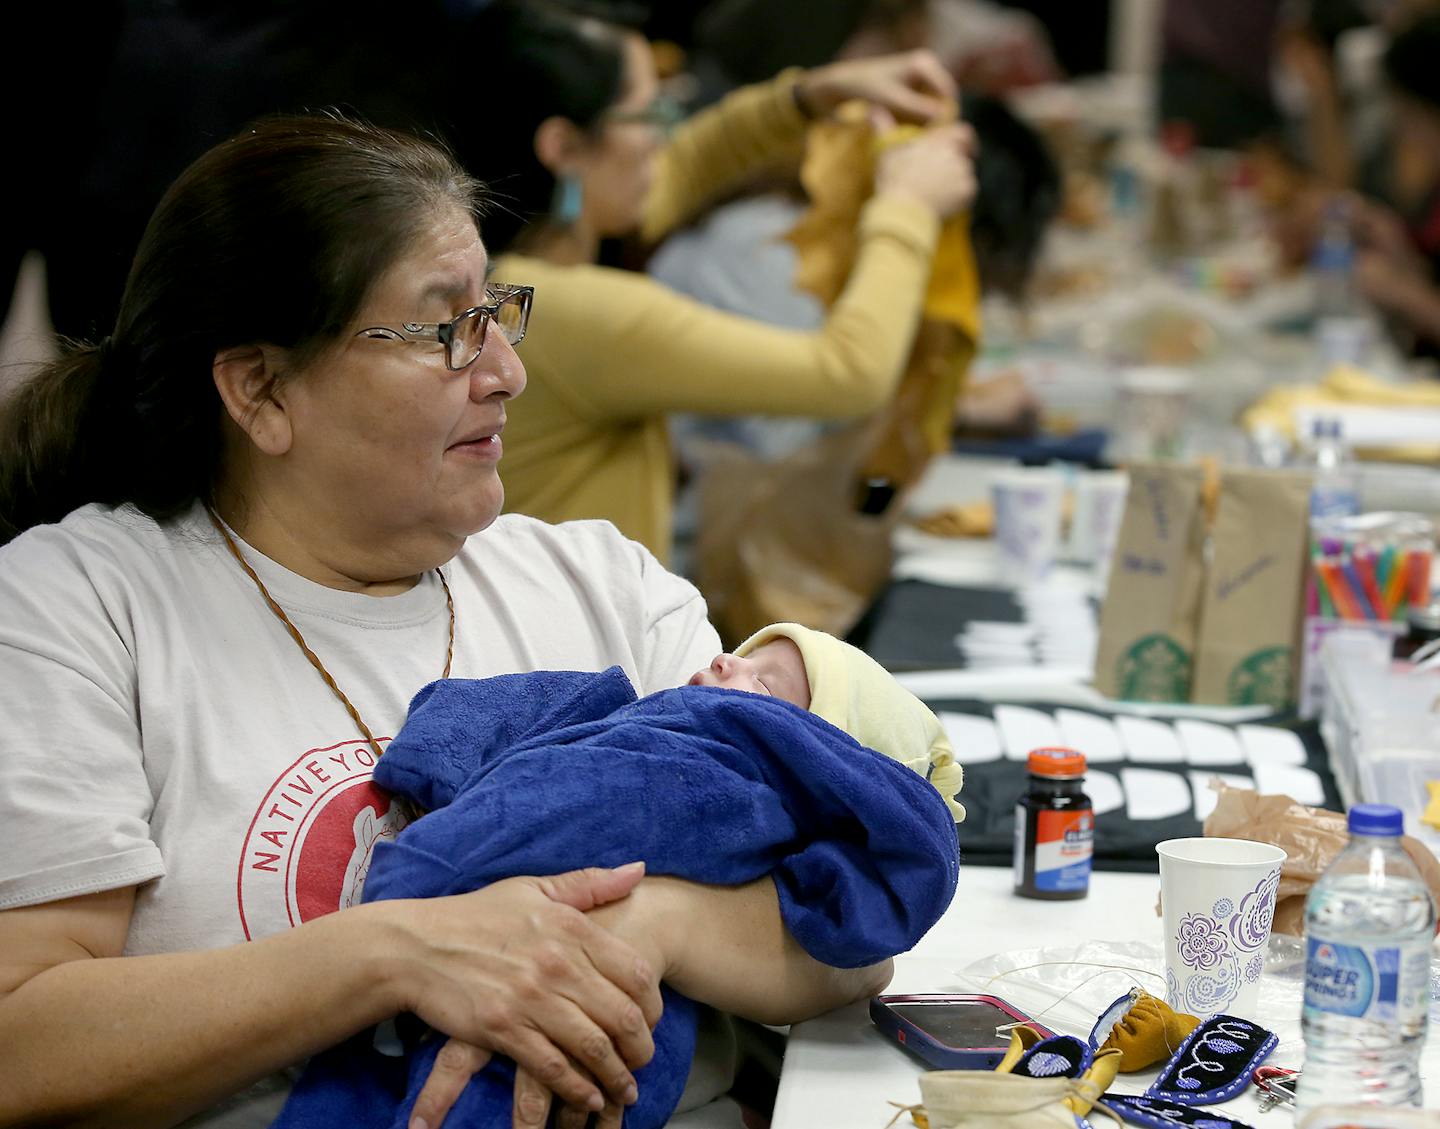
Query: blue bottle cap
point(1376, 819)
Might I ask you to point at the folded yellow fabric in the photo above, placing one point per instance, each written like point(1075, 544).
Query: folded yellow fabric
point(1150, 1032)
point(853, 692)
point(1345, 386)
point(838, 175)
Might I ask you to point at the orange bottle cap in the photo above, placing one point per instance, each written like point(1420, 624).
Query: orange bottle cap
point(1058, 762)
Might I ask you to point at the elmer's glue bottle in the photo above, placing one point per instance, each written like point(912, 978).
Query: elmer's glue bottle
point(1054, 828)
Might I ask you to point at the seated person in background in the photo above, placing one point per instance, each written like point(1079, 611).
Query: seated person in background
point(1397, 240)
point(737, 259)
point(1215, 63)
point(570, 769)
point(581, 158)
point(1397, 265)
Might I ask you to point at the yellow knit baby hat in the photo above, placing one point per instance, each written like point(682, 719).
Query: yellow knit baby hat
point(853, 692)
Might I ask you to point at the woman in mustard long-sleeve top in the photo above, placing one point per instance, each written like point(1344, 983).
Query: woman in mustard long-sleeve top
point(576, 153)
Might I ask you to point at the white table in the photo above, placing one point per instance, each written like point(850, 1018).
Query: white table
point(840, 1073)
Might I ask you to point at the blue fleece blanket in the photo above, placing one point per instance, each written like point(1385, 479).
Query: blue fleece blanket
point(547, 772)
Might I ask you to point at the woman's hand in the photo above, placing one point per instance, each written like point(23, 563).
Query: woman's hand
point(1378, 228)
point(914, 86)
point(935, 169)
point(518, 968)
point(641, 922)
point(457, 1062)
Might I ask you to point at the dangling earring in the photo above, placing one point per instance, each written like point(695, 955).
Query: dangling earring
point(565, 204)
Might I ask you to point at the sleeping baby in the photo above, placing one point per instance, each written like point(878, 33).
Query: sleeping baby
point(798, 757)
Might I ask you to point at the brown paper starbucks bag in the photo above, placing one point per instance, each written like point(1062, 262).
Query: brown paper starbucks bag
point(1150, 619)
point(1250, 619)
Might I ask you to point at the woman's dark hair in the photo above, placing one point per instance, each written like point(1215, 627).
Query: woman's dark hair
point(542, 60)
point(1017, 194)
point(274, 236)
point(1410, 60)
point(1328, 20)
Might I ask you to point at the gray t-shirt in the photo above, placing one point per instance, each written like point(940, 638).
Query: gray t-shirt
point(162, 729)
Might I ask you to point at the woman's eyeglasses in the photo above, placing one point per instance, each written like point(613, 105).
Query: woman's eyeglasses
point(464, 336)
point(663, 113)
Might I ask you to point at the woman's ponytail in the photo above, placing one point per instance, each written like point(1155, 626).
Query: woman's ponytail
point(274, 237)
point(44, 468)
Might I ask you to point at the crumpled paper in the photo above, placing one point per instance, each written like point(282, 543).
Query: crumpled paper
point(1310, 837)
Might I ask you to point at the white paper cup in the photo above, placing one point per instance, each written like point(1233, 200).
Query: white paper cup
point(1217, 898)
point(1342, 341)
point(1095, 521)
point(1029, 502)
point(1154, 403)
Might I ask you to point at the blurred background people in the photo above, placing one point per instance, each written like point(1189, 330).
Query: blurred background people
point(1215, 68)
point(586, 159)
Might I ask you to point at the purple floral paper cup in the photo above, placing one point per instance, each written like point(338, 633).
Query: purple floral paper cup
point(1217, 900)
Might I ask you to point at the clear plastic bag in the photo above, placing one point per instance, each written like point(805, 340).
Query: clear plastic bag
point(1067, 988)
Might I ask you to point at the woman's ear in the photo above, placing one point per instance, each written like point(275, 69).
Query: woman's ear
point(558, 142)
point(245, 378)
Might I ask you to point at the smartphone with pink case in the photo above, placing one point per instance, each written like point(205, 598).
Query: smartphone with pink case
point(951, 1031)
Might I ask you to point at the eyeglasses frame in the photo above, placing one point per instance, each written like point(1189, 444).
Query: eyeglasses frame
point(444, 332)
point(663, 113)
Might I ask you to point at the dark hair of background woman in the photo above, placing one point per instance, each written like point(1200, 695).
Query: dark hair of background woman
point(1411, 60)
point(541, 60)
point(1017, 194)
point(274, 237)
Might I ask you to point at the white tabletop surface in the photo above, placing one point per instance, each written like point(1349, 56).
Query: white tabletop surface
point(840, 1073)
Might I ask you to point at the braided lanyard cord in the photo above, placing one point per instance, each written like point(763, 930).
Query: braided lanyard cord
point(305, 647)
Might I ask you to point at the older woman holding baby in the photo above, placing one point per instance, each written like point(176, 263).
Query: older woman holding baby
point(242, 531)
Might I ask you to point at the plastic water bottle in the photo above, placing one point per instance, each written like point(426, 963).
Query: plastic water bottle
point(1333, 262)
point(1369, 924)
point(1336, 489)
point(1343, 332)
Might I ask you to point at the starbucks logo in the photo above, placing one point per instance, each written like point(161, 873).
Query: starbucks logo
point(1265, 678)
point(1154, 669)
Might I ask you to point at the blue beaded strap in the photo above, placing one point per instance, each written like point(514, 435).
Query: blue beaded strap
point(1214, 1062)
point(1060, 1056)
point(1157, 1113)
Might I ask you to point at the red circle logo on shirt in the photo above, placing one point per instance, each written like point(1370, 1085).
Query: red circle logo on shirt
point(311, 841)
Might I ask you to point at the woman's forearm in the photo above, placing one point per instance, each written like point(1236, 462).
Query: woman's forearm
point(718, 148)
point(147, 1041)
point(1417, 303)
point(727, 946)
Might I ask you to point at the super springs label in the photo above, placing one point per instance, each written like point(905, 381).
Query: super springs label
point(1385, 983)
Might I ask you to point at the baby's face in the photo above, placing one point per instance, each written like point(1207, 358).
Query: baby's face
point(776, 670)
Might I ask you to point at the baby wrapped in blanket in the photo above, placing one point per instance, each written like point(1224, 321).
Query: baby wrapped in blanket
point(821, 772)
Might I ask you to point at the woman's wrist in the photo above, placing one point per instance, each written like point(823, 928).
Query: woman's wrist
point(907, 195)
point(375, 941)
point(804, 96)
point(651, 919)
